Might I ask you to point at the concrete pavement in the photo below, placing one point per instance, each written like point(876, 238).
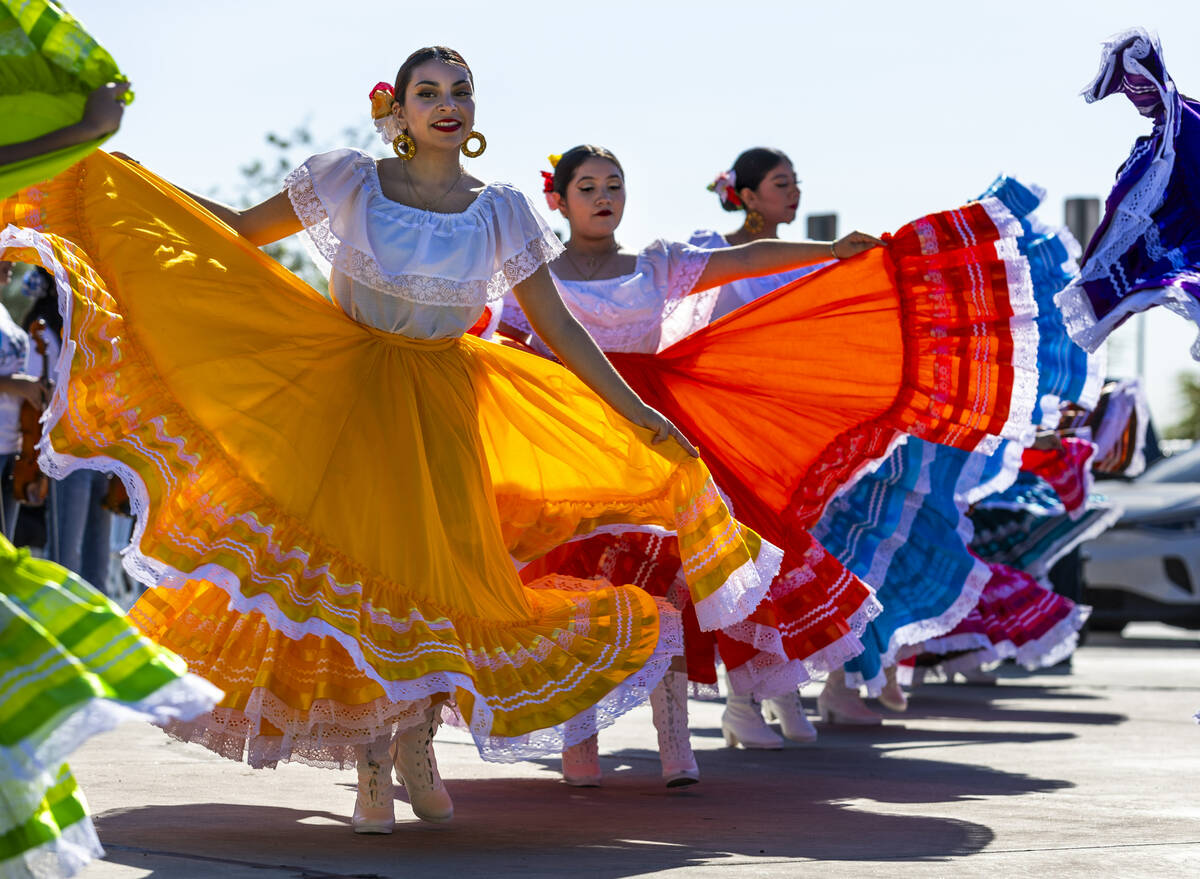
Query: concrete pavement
point(1050, 775)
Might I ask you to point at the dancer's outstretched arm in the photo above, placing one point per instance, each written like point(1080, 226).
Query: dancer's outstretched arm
point(770, 256)
point(263, 223)
point(558, 328)
point(101, 116)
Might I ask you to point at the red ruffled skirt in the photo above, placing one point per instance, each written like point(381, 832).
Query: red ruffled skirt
point(792, 395)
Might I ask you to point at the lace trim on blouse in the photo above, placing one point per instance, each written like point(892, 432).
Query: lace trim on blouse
point(424, 289)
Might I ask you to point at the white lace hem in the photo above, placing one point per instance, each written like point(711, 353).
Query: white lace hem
point(926, 631)
point(1010, 469)
point(742, 592)
point(184, 698)
point(629, 694)
point(1024, 329)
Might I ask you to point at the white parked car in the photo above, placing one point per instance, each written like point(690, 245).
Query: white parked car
point(1147, 567)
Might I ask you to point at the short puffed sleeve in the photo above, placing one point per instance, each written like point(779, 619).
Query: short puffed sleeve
point(674, 267)
point(524, 242)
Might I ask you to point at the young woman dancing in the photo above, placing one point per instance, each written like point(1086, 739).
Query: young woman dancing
point(330, 494)
point(798, 391)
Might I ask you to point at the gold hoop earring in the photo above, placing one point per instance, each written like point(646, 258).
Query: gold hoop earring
point(478, 151)
point(754, 222)
point(410, 146)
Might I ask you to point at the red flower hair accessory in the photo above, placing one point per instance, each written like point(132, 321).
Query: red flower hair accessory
point(548, 181)
point(383, 96)
point(725, 186)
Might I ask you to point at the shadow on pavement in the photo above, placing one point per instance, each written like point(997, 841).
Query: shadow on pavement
point(800, 803)
point(534, 828)
point(980, 703)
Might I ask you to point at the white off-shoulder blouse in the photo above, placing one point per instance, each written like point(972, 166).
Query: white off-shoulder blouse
point(404, 270)
point(644, 311)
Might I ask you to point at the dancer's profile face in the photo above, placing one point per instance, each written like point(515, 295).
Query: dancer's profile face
point(438, 108)
point(777, 197)
point(595, 198)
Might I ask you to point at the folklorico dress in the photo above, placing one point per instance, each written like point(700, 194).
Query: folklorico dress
point(48, 66)
point(795, 393)
point(805, 625)
point(71, 666)
point(331, 495)
point(904, 528)
point(1146, 251)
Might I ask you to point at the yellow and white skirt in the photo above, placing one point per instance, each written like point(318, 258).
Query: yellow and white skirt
point(328, 515)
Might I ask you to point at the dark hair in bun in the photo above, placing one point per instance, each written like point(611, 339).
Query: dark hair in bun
point(565, 170)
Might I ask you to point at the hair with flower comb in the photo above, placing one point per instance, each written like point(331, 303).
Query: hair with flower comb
point(382, 98)
point(566, 164)
point(748, 172)
point(725, 186)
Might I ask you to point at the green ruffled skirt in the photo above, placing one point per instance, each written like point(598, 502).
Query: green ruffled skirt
point(70, 667)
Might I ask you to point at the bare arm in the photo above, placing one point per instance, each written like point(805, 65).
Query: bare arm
point(769, 256)
point(263, 223)
point(567, 338)
point(101, 116)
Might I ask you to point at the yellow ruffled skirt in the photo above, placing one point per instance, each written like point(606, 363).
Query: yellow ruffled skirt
point(329, 515)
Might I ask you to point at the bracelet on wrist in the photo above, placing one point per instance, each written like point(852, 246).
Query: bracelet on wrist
point(833, 249)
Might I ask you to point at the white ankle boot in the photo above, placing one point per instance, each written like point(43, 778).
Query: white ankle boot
point(839, 704)
point(892, 696)
point(793, 720)
point(668, 703)
point(374, 807)
point(417, 768)
point(742, 724)
point(581, 763)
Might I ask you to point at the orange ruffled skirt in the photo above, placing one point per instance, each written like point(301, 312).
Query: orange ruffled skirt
point(329, 515)
point(794, 394)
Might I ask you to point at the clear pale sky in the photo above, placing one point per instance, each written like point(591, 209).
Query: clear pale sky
point(888, 110)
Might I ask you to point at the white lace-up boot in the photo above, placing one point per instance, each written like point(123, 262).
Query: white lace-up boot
point(793, 720)
point(581, 763)
point(839, 704)
point(668, 703)
point(417, 769)
point(374, 807)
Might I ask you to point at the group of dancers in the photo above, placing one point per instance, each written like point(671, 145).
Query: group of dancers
point(518, 485)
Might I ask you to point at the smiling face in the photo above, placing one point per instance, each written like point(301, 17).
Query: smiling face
point(777, 197)
point(438, 105)
point(595, 199)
